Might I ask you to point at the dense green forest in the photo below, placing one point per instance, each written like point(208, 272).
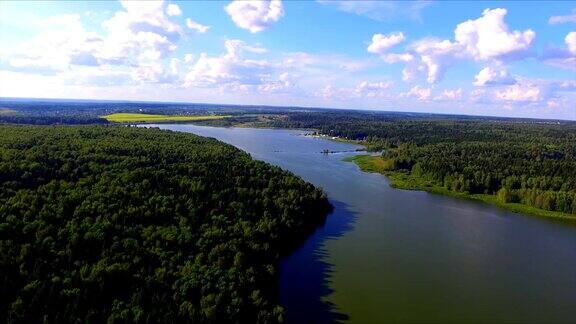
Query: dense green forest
point(525, 161)
point(531, 162)
point(121, 224)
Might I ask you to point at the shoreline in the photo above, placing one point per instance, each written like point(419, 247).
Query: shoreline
point(406, 181)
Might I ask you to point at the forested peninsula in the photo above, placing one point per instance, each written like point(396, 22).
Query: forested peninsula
point(526, 166)
point(120, 224)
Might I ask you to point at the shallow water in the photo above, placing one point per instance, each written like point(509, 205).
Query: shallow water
point(394, 255)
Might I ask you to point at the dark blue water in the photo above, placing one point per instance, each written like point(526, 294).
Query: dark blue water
point(388, 255)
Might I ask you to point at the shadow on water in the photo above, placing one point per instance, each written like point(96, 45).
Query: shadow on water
point(304, 276)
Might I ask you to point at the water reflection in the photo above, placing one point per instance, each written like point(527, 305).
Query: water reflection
point(304, 274)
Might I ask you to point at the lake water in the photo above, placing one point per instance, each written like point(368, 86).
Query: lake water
point(404, 256)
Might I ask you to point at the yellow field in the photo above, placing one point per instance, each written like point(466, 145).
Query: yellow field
point(149, 118)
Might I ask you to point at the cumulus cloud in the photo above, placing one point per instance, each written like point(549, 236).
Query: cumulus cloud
point(493, 76)
point(435, 56)
point(362, 90)
point(323, 63)
point(196, 26)
point(236, 46)
point(429, 56)
point(284, 83)
point(528, 94)
point(230, 68)
point(255, 15)
point(395, 57)
point(420, 93)
point(570, 41)
point(564, 58)
point(188, 57)
point(381, 43)
point(135, 40)
point(373, 89)
point(569, 18)
point(173, 10)
point(521, 93)
point(135, 50)
point(450, 94)
point(486, 39)
point(62, 41)
point(142, 30)
point(564, 85)
point(157, 72)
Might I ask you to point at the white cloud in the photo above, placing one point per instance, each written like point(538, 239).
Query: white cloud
point(381, 10)
point(156, 72)
point(135, 40)
point(560, 57)
point(381, 43)
point(229, 69)
point(485, 39)
point(373, 89)
point(570, 18)
point(429, 56)
point(529, 94)
point(142, 31)
point(233, 71)
point(435, 56)
point(188, 57)
point(447, 94)
point(362, 90)
point(285, 82)
point(417, 92)
point(196, 26)
point(521, 93)
point(241, 68)
point(327, 92)
point(61, 42)
point(324, 63)
point(395, 57)
point(488, 37)
point(493, 76)
point(133, 56)
point(236, 46)
point(255, 15)
point(564, 85)
point(570, 41)
point(173, 10)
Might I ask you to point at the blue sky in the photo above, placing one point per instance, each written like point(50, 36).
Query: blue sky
point(505, 58)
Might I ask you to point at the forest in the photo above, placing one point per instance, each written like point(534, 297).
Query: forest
point(531, 162)
point(68, 111)
point(124, 225)
point(524, 161)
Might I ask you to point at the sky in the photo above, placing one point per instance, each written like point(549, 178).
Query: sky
point(500, 58)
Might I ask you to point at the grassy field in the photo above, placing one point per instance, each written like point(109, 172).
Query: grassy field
point(149, 118)
point(405, 180)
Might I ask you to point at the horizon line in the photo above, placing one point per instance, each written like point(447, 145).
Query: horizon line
point(280, 106)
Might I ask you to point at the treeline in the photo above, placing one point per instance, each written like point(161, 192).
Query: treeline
point(387, 128)
point(125, 225)
point(532, 162)
point(51, 120)
point(516, 172)
point(55, 111)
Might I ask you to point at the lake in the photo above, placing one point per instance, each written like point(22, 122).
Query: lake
point(405, 256)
